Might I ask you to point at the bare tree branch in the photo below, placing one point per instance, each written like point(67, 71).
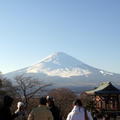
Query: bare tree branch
point(28, 86)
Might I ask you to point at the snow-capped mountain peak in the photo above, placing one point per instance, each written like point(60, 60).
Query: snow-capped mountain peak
point(60, 64)
point(61, 58)
point(64, 70)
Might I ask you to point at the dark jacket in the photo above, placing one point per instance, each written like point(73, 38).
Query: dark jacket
point(5, 113)
point(55, 112)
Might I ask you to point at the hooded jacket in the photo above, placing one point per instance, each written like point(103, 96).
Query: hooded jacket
point(78, 113)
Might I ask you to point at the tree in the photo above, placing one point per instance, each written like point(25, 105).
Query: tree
point(63, 98)
point(0, 83)
point(27, 87)
point(6, 88)
point(0, 91)
point(88, 101)
point(0, 80)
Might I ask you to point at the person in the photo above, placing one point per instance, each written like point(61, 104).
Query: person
point(106, 117)
point(20, 110)
point(5, 112)
point(94, 117)
point(79, 112)
point(54, 109)
point(41, 112)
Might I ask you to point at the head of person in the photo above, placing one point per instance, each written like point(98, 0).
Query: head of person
point(20, 105)
point(50, 101)
point(43, 101)
point(8, 101)
point(77, 102)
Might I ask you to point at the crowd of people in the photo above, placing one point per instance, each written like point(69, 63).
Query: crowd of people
point(46, 110)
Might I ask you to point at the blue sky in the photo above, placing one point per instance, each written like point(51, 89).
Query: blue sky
point(88, 30)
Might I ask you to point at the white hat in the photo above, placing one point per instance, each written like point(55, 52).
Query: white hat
point(50, 98)
point(19, 104)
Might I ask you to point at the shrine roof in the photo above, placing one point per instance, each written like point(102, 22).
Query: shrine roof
point(104, 88)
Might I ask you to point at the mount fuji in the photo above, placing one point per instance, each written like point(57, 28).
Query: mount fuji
point(66, 71)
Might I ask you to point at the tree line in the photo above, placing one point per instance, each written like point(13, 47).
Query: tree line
point(29, 89)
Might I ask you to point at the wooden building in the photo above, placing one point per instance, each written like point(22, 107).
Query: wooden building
point(106, 97)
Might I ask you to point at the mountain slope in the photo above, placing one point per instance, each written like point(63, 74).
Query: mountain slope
point(64, 70)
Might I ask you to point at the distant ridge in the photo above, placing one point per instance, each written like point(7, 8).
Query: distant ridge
point(64, 70)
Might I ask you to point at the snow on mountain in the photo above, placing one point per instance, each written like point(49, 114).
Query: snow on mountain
point(106, 73)
point(60, 64)
point(63, 69)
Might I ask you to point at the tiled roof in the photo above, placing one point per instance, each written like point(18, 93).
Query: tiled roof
point(104, 88)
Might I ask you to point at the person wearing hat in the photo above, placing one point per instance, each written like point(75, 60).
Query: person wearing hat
point(54, 109)
point(20, 110)
point(41, 112)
